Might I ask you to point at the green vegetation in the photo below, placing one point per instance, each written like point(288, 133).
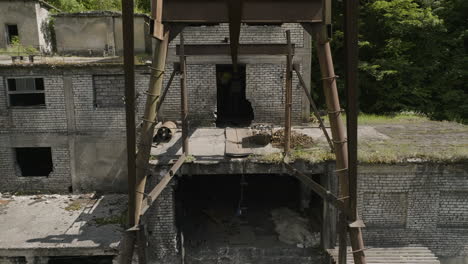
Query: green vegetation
point(395, 118)
point(74, 206)
point(17, 49)
point(141, 6)
point(412, 57)
point(112, 220)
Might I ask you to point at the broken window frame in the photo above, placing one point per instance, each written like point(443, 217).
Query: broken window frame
point(19, 171)
point(27, 92)
point(8, 36)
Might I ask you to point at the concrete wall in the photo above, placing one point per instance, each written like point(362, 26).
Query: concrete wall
point(31, 18)
point(88, 34)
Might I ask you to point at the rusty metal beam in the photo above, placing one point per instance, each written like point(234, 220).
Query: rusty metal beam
point(253, 11)
point(351, 84)
point(127, 247)
point(288, 95)
point(235, 18)
point(166, 89)
point(243, 49)
point(183, 97)
point(154, 194)
point(315, 187)
point(314, 106)
point(156, 14)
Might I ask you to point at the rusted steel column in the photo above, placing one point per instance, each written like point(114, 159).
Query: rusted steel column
point(235, 17)
point(149, 119)
point(351, 84)
point(314, 106)
point(183, 97)
point(337, 128)
point(288, 96)
point(127, 245)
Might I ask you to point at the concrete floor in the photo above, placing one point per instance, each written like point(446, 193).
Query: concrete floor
point(210, 143)
point(75, 224)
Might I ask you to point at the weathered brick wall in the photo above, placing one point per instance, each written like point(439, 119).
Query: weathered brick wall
point(265, 91)
point(58, 180)
point(50, 118)
point(217, 34)
point(160, 223)
point(90, 118)
point(201, 86)
point(415, 204)
point(109, 90)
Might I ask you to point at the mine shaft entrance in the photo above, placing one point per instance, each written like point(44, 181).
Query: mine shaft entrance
point(267, 213)
point(233, 108)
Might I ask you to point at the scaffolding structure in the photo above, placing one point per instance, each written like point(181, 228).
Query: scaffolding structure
point(169, 19)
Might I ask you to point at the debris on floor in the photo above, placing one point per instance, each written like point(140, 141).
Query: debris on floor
point(297, 139)
point(293, 229)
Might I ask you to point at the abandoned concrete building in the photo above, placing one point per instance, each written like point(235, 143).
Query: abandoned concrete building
point(62, 130)
point(27, 22)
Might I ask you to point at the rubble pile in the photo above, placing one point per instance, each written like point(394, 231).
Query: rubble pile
point(297, 139)
point(293, 229)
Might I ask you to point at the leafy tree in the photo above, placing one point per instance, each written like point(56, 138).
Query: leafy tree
point(412, 56)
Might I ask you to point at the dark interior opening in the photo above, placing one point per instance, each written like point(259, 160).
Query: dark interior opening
point(12, 33)
point(34, 161)
point(81, 260)
point(32, 99)
point(19, 89)
point(233, 108)
point(241, 211)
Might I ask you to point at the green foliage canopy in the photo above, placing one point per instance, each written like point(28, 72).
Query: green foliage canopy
point(412, 56)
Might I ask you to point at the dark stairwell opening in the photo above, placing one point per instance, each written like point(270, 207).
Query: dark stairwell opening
point(248, 217)
point(233, 108)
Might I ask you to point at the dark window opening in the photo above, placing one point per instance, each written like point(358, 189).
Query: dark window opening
point(26, 91)
point(27, 99)
point(217, 211)
point(12, 34)
point(81, 260)
point(233, 108)
point(34, 161)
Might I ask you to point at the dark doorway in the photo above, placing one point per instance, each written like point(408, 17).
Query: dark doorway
point(12, 34)
point(233, 109)
point(34, 161)
point(245, 212)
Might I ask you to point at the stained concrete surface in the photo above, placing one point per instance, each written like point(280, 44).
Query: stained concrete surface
point(210, 143)
point(75, 224)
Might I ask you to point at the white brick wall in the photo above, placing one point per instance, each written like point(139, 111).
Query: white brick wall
point(249, 34)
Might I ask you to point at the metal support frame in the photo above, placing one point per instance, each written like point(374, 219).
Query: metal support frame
point(183, 97)
point(288, 95)
point(154, 194)
point(236, 12)
point(351, 84)
point(126, 249)
point(243, 49)
point(235, 18)
point(314, 106)
point(166, 89)
point(317, 188)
